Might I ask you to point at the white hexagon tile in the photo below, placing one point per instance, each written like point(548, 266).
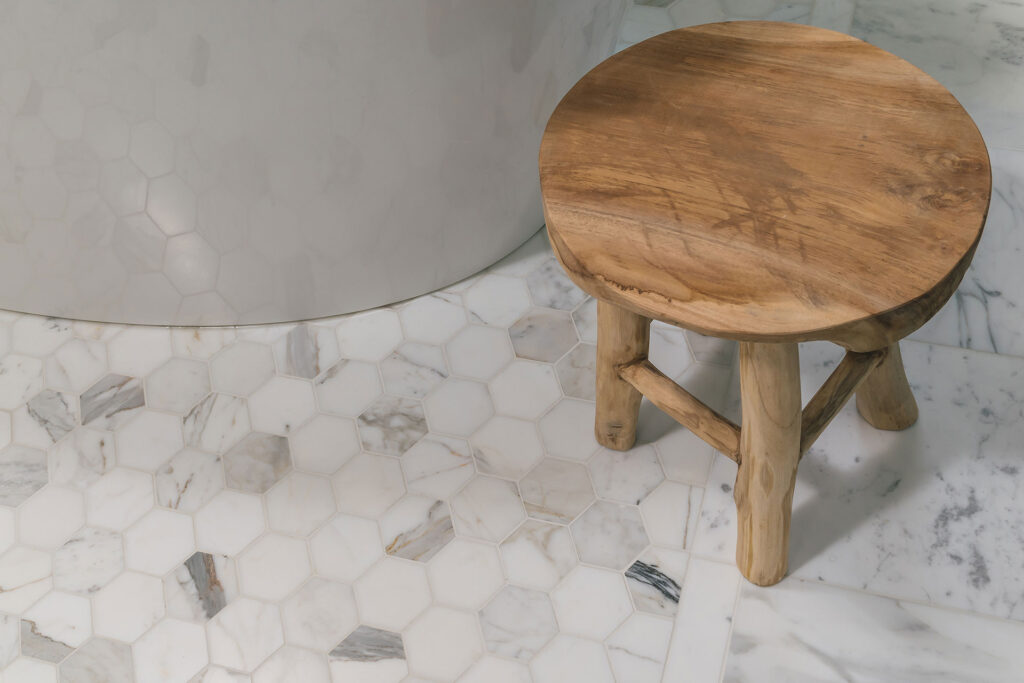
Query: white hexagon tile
point(407, 493)
point(414, 493)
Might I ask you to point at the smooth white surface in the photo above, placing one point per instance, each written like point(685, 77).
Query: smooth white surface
point(221, 162)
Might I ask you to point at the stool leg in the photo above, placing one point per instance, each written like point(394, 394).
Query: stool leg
point(885, 399)
point(769, 453)
point(622, 337)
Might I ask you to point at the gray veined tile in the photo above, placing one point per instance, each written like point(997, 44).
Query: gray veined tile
point(368, 644)
point(55, 412)
point(257, 462)
point(98, 661)
point(306, 351)
point(416, 528)
point(40, 645)
point(201, 587)
point(110, 401)
point(392, 425)
point(22, 473)
point(55, 625)
point(369, 654)
point(655, 580)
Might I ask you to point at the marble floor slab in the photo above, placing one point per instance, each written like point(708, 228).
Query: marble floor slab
point(802, 631)
point(932, 513)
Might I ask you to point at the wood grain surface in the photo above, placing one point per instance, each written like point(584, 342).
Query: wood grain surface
point(885, 399)
point(623, 337)
point(770, 447)
point(768, 182)
point(683, 407)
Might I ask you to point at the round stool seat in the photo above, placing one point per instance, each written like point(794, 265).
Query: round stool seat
point(765, 182)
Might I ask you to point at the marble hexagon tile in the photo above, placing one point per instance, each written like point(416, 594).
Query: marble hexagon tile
point(375, 498)
point(385, 494)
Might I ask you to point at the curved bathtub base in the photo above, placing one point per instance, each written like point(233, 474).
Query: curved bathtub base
point(218, 162)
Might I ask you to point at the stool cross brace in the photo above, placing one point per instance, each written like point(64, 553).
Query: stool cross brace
point(723, 433)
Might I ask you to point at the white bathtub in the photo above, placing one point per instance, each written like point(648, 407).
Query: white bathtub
point(242, 161)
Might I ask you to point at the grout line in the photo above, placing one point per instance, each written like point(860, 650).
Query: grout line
point(732, 626)
point(957, 347)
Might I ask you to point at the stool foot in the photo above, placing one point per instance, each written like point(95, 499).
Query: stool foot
point(622, 337)
point(885, 399)
point(769, 453)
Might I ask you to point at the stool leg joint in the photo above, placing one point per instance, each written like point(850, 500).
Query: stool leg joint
point(623, 337)
point(683, 406)
point(884, 399)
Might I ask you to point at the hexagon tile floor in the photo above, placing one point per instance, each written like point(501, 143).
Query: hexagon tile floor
point(414, 494)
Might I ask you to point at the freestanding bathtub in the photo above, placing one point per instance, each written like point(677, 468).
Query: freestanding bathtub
point(242, 161)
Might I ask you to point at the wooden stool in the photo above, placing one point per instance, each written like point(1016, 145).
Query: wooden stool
point(770, 183)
